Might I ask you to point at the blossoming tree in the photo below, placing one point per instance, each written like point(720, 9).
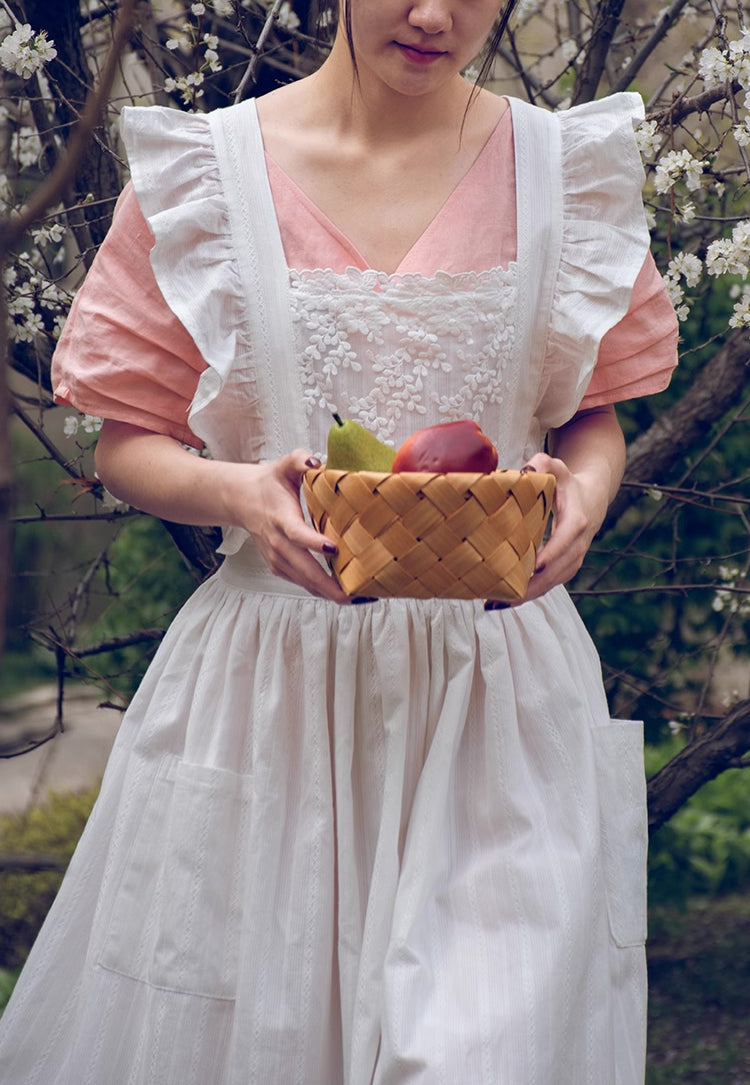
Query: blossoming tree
point(668, 576)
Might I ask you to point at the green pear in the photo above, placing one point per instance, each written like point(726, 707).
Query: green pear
point(353, 448)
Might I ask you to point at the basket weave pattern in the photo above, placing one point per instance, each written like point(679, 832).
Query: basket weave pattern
point(445, 536)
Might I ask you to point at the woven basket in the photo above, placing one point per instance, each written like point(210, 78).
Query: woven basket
point(421, 536)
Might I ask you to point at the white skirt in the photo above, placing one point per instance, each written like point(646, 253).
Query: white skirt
point(400, 842)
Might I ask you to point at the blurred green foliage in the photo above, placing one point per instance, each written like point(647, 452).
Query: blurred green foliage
point(52, 828)
point(139, 579)
point(704, 849)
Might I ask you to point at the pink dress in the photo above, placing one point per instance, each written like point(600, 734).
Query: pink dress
point(401, 843)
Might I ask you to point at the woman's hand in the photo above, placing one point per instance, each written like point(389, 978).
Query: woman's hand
point(156, 474)
point(282, 535)
point(587, 460)
point(578, 511)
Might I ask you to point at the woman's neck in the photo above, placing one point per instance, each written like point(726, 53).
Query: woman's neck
point(363, 108)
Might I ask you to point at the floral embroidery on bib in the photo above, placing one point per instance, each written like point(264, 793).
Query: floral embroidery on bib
point(399, 352)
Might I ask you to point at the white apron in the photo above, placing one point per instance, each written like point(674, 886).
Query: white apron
point(401, 842)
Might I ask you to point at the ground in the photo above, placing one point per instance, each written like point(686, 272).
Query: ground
point(699, 975)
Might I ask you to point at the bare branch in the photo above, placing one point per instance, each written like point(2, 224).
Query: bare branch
point(252, 68)
point(721, 747)
point(29, 863)
point(698, 103)
point(665, 24)
point(606, 21)
point(48, 445)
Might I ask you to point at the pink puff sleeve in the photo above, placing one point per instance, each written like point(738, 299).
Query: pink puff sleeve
point(637, 356)
point(123, 354)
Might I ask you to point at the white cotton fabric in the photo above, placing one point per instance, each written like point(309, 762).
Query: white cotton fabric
point(399, 843)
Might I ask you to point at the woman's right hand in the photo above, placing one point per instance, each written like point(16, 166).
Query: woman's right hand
point(281, 534)
point(155, 473)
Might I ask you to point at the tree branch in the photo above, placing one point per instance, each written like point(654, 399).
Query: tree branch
point(721, 747)
point(665, 24)
point(698, 103)
point(29, 863)
point(606, 21)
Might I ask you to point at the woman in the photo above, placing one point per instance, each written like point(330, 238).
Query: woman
point(393, 842)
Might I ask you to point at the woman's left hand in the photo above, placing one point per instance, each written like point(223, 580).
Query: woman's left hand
point(579, 508)
point(588, 460)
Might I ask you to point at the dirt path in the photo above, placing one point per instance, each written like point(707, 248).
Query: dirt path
point(71, 760)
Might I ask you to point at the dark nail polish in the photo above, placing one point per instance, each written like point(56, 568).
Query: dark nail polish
point(525, 470)
point(493, 604)
point(312, 462)
point(329, 548)
point(362, 599)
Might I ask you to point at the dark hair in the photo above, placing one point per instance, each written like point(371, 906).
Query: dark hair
point(327, 22)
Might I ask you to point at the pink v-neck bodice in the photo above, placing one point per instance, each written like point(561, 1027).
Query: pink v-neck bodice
point(448, 243)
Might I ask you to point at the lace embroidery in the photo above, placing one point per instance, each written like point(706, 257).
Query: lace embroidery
point(398, 352)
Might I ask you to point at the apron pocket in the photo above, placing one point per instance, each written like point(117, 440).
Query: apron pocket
point(618, 747)
point(176, 916)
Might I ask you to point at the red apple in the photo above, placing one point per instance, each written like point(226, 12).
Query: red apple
point(449, 446)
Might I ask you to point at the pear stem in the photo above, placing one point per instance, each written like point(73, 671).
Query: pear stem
point(338, 418)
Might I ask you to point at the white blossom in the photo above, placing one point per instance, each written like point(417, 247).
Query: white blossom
point(686, 265)
point(730, 255)
point(24, 52)
point(25, 330)
point(677, 166)
point(740, 317)
point(526, 8)
point(198, 9)
point(53, 233)
point(716, 66)
point(211, 57)
point(224, 8)
point(728, 599)
point(569, 49)
point(287, 17)
point(189, 86)
point(741, 132)
point(70, 425)
point(688, 211)
point(676, 295)
point(26, 146)
point(648, 138)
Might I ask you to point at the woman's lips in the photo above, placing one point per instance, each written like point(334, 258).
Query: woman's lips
point(420, 56)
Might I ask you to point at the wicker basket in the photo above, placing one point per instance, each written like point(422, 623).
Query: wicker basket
point(420, 536)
